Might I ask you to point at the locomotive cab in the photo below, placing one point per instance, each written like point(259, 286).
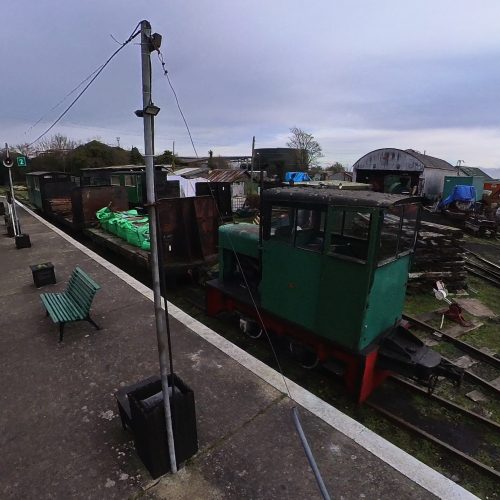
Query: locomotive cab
point(336, 262)
point(328, 268)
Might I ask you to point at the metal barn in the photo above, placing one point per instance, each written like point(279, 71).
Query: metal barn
point(392, 170)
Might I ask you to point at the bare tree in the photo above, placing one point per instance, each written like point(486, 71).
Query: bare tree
point(308, 149)
point(25, 149)
point(57, 143)
point(336, 168)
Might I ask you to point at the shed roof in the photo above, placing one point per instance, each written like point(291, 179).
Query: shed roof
point(123, 168)
point(39, 173)
point(431, 161)
point(475, 172)
point(191, 171)
point(228, 175)
point(336, 197)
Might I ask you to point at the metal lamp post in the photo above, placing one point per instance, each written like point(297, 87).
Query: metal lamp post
point(149, 111)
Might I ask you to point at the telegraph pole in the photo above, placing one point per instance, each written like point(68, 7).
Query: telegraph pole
point(149, 111)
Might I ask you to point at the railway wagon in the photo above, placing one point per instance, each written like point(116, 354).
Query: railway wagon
point(188, 226)
point(133, 179)
point(40, 182)
point(328, 269)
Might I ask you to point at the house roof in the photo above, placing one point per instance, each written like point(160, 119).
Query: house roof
point(474, 172)
point(431, 161)
point(228, 175)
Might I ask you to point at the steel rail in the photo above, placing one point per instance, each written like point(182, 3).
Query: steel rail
point(445, 402)
point(482, 259)
point(464, 346)
point(493, 281)
point(420, 432)
point(479, 267)
point(472, 377)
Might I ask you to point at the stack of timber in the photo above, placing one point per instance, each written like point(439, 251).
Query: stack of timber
point(438, 256)
point(60, 206)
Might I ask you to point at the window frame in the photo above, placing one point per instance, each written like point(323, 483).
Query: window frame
point(368, 240)
point(131, 178)
point(113, 178)
point(398, 254)
point(267, 231)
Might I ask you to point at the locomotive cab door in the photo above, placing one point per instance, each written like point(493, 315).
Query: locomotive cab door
point(291, 261)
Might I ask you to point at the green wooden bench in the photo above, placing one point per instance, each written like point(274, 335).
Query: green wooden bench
point(74, 303)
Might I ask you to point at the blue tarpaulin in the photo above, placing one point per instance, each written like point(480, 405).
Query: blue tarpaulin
point(460, 193)
point(297, 177)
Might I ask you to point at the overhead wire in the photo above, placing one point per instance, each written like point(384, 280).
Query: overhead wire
point(295, 415)
point(165, 72)
point(252, 298)
point(62, 100)
point(96, 74)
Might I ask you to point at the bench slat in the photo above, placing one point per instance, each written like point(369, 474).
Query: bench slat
point(56, 313)
point(61, 308)
point(73, 304)
point(83, 294)
point(82, 290)
point(87, 279)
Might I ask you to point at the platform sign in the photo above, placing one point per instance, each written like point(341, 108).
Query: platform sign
point(21, 161)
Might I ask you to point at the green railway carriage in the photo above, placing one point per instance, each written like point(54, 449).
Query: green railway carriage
point(42, 185)
point(133, 179)
point(328, 268)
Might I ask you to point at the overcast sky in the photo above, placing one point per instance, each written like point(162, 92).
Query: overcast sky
point(358, 75)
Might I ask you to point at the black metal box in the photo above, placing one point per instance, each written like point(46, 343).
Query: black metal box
point(148, 424)
point(43, 274)
point(23, 241)
point(123, 402)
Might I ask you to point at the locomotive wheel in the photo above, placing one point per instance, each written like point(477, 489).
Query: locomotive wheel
point(303, 355)
point(252, 329)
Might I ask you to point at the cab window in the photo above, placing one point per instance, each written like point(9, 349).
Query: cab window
point(350, 234)
point(310, 229)
point(282, 224)
point(303, 228)
point(398, 232)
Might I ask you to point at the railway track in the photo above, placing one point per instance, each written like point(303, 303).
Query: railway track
point(482, 268)
point(446, 402)
point(417, 430)
point(413, 424)
point(466, 348)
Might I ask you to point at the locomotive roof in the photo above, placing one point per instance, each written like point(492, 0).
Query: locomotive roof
point(340, 197)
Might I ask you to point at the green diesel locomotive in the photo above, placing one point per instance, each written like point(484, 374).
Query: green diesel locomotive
point(328, 269)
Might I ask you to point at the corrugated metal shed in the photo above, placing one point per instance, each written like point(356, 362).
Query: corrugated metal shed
point(431, 161)
point(393, 170)
point(474, 172)
point(228, 175)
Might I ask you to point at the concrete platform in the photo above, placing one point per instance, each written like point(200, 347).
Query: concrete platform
point(61, 436)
